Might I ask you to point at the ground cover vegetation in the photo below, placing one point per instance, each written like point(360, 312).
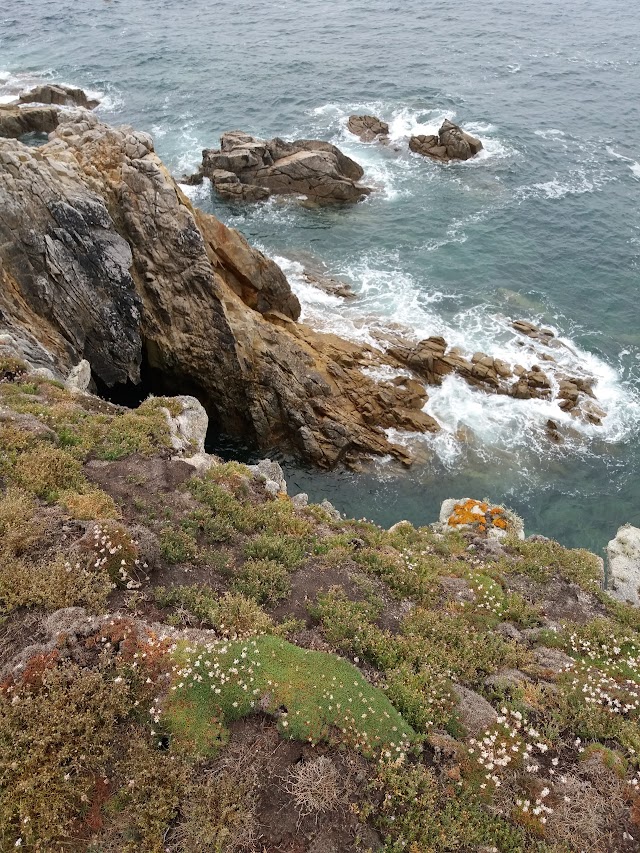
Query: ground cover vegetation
point(190, 663)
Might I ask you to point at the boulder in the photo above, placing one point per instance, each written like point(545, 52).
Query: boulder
point(480, 517)
point(271, 474)
point(79, 378)
point(553, 661)
point(188, 429)
point(623, 555)
point(474, 712)
point(315, 169)
point(451, 143)
point(17, 121)
point(368, 128)
point(64, 96)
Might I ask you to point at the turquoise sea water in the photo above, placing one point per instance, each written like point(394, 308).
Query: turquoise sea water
point(544, 226)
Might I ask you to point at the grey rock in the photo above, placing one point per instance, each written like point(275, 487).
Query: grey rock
point(331, 511)
point(301, 500)
point(266, 472)
point(474, 712)
point(623, 555)
point(507, 679)
point(451, 143)
point(188, 429)
point(554, 660)
point(510, 632)
point(16, 121)
point(50, 93)
point(79, 378)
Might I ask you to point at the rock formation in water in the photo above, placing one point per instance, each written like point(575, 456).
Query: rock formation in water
point(368, 128)
point(451, 143)
point(41, 113)
point(102, 257)
point(432, 360)
point(251, 169)
point(54, 93)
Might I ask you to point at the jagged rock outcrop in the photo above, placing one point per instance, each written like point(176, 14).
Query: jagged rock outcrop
point(16, 121)
point(451, 143)
point(368, 128)
point(102, 257)
point(56, 93)
point(251, 169)
point(433, 360)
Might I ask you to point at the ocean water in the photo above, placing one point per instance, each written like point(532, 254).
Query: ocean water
point(544, 225)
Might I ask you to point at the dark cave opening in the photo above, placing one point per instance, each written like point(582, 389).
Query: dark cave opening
point(159, 383)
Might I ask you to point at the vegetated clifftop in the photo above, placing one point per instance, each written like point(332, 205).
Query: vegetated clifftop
point(192, 660)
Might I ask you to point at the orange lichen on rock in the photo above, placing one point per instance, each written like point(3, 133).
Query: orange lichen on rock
point(468, 512)
point(479, 515)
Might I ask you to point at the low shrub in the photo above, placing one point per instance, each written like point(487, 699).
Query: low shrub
point(51, 584)
point(92, 504)
point(45, 471)
point(266, 581)
point(289, 551)
point(57, 730)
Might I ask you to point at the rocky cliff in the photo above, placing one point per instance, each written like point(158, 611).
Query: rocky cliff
point(102, 257)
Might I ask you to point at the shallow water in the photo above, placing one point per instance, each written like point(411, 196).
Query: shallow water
point(544, 225)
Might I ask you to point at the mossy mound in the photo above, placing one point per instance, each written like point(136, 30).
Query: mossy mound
point(314, 697)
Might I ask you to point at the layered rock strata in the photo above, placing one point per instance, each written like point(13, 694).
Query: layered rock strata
point(450, 143)
point(55, 93)
point(16, 121)
point(251, 169)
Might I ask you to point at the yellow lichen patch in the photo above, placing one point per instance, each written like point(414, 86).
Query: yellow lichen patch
point(468, 512)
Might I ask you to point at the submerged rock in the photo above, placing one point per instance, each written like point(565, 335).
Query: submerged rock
point(623, 554)
point(251, 169)
point(368, 128)
point(451, 143)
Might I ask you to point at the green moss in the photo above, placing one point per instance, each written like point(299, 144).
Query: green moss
point(314, 696)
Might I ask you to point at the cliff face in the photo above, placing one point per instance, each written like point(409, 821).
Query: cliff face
point(102, 257)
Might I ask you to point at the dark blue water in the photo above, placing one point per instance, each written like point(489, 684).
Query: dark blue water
point(543, 226)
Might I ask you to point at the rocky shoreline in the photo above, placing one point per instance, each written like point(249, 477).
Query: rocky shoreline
point(103, 258)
